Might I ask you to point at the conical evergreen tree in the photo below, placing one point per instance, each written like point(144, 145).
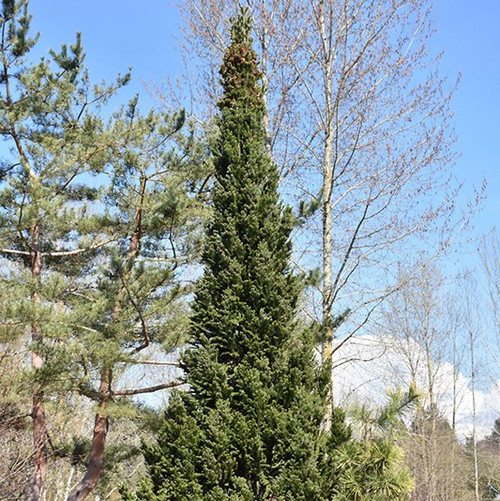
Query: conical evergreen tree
point(249, 426)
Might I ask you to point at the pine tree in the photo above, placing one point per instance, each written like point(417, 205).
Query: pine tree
point(97, 218)
point(250, 425)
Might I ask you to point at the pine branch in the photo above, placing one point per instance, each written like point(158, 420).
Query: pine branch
point(150, 389)
point(78, 251)
point(158, 362)
point(137, 308)
point(15, 252)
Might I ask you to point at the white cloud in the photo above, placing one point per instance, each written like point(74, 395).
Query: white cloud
point(366, 368)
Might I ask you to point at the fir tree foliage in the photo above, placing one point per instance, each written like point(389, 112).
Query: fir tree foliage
point(249, 426)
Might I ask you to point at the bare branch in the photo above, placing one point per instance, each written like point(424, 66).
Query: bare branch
point(157, 362)
point(150, 389)
point(15, 252)
point(75, 252)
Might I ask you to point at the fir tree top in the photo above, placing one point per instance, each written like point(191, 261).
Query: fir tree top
point(246, 298)
point(239, 71)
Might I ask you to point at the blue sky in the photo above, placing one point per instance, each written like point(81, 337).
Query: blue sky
point(116, 34)
point(122, 33)
point(469, 34)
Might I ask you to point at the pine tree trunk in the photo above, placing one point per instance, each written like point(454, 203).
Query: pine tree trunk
point(96, 461)
point(35, 485)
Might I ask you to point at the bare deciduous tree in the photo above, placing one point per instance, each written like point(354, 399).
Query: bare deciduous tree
point(422, 324)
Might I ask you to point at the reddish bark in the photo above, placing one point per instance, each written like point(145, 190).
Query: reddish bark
point(34, 487)
point(96, 461)
point(101, 424)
